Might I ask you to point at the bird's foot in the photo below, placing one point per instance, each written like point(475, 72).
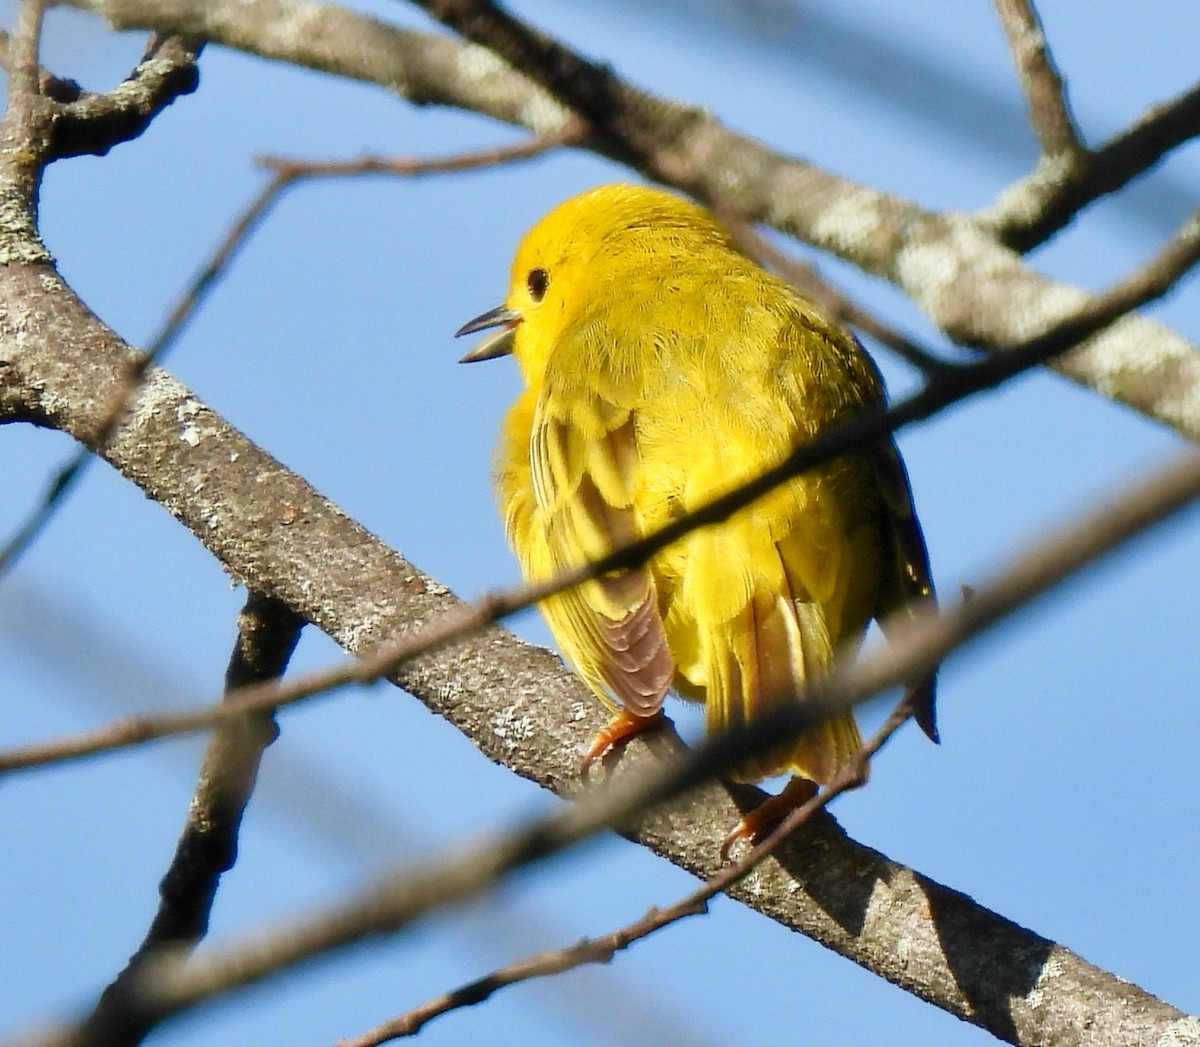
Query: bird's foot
point(616, 733)
point(769, 813)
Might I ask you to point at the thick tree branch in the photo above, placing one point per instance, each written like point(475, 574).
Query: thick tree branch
point(602, 950)
point(278, 536)
point(947, 385)
point(931, 940)
point(286, 174)
point(974, 289)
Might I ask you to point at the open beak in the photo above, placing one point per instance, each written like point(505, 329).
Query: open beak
point(498, 343)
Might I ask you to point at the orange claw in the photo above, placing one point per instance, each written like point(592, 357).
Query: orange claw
point(772, 810)
point(623, 726)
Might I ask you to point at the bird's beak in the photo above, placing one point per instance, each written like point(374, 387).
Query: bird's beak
point(498, 343)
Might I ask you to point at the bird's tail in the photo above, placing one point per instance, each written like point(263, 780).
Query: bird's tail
point(771, 648)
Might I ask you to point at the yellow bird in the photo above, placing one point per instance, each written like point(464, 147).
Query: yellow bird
point(662, 368)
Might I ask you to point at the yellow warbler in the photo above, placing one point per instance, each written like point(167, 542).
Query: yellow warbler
point(663, 368)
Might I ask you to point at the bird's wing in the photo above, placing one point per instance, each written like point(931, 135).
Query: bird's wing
point(584, 468)
point(907, 576)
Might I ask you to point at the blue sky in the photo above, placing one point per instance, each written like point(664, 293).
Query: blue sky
point(1063, 795)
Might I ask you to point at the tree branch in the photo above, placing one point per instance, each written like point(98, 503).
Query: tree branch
point(1045, 93)
point(292, 169)
point(973, 288)
point(924, 937)
point(852, 775)
point(267, 635)
point(1034, 208)
point(24, 71)
point(94, 123)
point(948, 385)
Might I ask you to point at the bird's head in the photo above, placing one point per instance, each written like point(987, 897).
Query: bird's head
point(585, 254)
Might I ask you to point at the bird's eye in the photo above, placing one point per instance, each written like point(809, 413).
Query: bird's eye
point(537, 281)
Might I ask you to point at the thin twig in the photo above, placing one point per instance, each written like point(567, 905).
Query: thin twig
point(603, 949)
point(207, 848)
point(244, 226)
point(947, 387)
point(286, 174)
point(1045, 93)
point(1157, 276)
point(290, 168)
point(168, 987)
point(24, 70)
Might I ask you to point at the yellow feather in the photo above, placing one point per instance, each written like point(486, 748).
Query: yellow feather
point(663, 368)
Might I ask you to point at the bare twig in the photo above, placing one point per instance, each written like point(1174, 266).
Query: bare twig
point(1045, 93)
point(24, 71)
point(948, 386)
point(952, 267)
point(1157, 276)
point(286, 174)
point(289, 168)
point(604, 949)
point(266, 697)
point(168, 988)
point(42, 513)
point(207, 848)
point(206, 280)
